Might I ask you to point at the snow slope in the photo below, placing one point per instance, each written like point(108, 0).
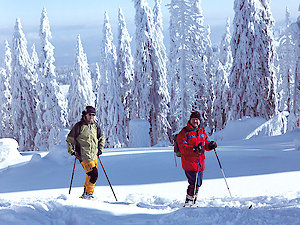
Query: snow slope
point(262, 171)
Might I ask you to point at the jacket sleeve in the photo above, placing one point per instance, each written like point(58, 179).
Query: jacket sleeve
point(186, 147)
point(207, 141)
point(101, 139)
point(71, 139)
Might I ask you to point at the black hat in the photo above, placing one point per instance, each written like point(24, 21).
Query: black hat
point(89, 109)
point(195, 114)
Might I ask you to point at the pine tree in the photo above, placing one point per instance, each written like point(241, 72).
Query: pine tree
point(188, 61)
point(81, 89)
point(223, 63)
point(34, 59)
point(287, 62)
point(294, 117)
point(253, 82)
point(52, 107)
point(150, 71)
point(125, 69)
point(23, 93)
point(6, 126)
point(114, 129)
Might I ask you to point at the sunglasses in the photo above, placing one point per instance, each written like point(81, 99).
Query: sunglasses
point(92, 114)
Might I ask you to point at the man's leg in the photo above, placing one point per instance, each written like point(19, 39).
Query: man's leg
point(91, 171)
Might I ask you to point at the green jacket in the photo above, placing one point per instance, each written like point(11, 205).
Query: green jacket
point(85, 140)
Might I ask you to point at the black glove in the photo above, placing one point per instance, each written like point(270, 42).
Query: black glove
point(99, 152)
point(73, 153)
point(212, 145)
point(198, 148)
point(178, 154)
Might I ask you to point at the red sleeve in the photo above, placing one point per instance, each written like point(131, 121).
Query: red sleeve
point(206, 141)
point(185, 147)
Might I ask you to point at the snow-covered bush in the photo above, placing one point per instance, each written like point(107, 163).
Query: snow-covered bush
point(8, 149)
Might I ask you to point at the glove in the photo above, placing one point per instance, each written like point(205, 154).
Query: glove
point(198, 148)
point(178, 154)
point(99, 152)
point(212, 145)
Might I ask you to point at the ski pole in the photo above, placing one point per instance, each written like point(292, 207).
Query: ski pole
point(175, 159)
point(72, 176)
point(107, 178)
point(196, 181)
point(222, 172)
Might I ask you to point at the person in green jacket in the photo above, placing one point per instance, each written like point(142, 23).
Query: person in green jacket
point(86, 142)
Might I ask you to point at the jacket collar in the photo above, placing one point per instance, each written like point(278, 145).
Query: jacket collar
point(190, 127)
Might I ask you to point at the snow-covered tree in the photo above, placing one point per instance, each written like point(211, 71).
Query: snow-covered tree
point(6, 126)
point(5, 106)
point(114, 130)
point(253, 81)
point(34, 59)
point(225, 55)
point(125, 69)
point(97, 78)
point(287, 63)
point(150, 71)
point(23, 93)
point(81, 89)
point(222, 68)
point(52, 107)
point(187, 61)
point(294, 118)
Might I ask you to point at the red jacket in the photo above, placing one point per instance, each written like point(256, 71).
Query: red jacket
point(186, 139)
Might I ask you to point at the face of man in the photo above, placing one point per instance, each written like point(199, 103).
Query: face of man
point(90, 117)
point(195, 122)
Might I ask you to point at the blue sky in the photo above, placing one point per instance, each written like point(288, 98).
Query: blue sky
point(85, 17)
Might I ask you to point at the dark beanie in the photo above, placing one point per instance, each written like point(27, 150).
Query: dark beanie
point(89, 109)
point(195, 114)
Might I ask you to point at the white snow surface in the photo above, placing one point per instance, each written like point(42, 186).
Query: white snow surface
point(263, 172)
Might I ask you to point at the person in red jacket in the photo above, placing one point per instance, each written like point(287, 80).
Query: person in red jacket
point(193, 142)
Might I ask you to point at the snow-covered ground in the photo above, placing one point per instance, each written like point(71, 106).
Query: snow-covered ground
point(261, 171)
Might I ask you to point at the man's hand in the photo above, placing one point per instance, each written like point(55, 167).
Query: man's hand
point(99, 152)
point(212, 145)
point(198, 148)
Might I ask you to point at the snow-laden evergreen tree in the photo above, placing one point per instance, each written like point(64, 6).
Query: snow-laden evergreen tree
point(222, 69)
point(294, 118)
point(52, 107)
point(114, 130)
point(253, 81)
point(187, 61)
point(81, 89)
point(98, 77)
point(23, 82)
point(34, 59)
point(6, 129)
point(125, 69)
point(225, 55)
point(208, 89)
point(150, 72)
point(6, 126)
point(287, 63)
point(103, 99)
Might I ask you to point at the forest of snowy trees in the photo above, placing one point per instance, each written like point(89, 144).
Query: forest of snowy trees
point(250, 73)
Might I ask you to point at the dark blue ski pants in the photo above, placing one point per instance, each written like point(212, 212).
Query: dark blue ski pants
point(191, 176)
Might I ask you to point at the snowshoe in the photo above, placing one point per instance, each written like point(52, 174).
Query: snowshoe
point(190, 201)
point(86, 195)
